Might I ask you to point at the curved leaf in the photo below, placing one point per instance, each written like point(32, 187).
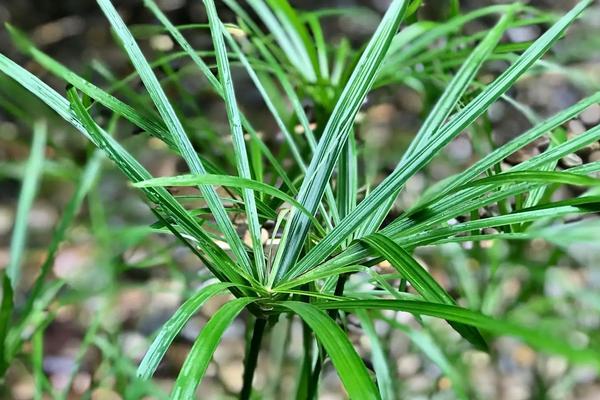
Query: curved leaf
point(173, 326)
point(197, 361)
point(540, 340)
point(227, 180)
point(545, 177)
point(421, 280)
point(349, 366)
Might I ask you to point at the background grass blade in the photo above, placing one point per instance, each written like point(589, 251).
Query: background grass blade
point(86, 181)
point(286, 37)
point(385, 382)
point(33, 172)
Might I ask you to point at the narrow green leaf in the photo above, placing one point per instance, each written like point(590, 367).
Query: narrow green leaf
point(227, 180)
point(197, 361)
point(321, 46)
point(176, 130)
point(421, 280)
point(85, 183)
point(540, 340)
point(298, 34)
point(347, 178)
point(37, 358)
point(546, 177)
point(349, 366)
point(6, 308)
point(335, 135)
point(189, 50)
point(145, 122)
point(319, 273)
point(287, 38)
point(173, 326)
point(235, 124)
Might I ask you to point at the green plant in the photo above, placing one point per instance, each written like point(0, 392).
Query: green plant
point(329, 231)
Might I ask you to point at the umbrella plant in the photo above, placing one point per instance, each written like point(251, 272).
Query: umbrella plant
point(328, 223)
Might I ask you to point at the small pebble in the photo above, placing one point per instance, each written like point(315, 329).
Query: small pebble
point(591, 115)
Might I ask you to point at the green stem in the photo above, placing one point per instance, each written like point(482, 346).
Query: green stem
point(252, 357)
point(304, 383)
point(313, 383)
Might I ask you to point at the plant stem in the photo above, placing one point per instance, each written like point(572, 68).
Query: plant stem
point(252, 357)
point(304, 383)
point(313, 383)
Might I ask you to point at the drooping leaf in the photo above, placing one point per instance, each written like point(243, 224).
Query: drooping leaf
point(540, 340)
point(421, 280)
point(176, 131)
point(199, 357)
point(173, 326)
point(348, 364)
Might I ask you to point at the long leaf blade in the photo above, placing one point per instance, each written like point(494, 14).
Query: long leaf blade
point(235, 123)
point(457, 124)
point(173, 326)
point(197, 361)
point(348, 364)
point(335, 135)
point(540, 340)
point(176, 130)
point(421, 280)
